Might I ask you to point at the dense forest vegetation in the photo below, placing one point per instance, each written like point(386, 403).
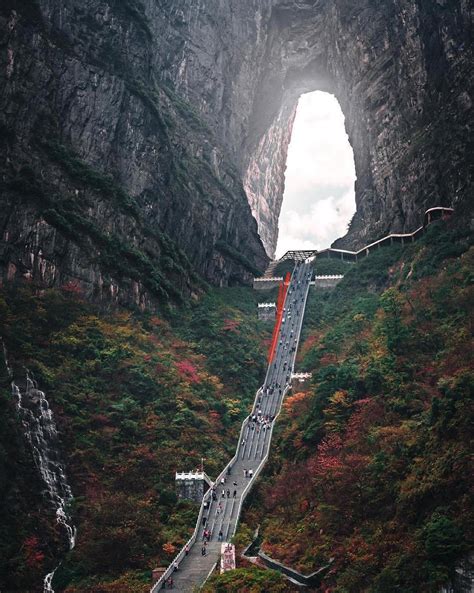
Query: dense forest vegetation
point(136, 398)
point(371, 469)
point(370, 466)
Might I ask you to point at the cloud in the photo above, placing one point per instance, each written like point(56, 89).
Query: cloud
point(319, 187)
point(325, 221)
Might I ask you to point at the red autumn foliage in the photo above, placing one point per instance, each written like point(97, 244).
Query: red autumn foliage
point(34, 555)
point(310, 343)
point(188, 371)
point(368, 413)
point(231, 325)
point(160, 368)
point(328, 358)
point(72, 287)
point(327, 461)
point(157, 322)
point(214, 416)
point(101, 420)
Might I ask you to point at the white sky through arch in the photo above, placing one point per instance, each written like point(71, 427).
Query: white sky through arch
point(318, 202)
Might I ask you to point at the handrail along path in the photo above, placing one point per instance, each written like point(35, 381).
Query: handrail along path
point(221, 511)
point(221, 506)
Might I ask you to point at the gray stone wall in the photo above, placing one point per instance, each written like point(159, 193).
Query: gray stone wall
point(191, 489)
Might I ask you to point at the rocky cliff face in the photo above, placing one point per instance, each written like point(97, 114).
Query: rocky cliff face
point(114, 179)
point(402, 73)
point(130, 129)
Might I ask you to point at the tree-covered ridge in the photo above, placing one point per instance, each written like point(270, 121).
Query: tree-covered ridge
point(371, 465)
point(136, 397)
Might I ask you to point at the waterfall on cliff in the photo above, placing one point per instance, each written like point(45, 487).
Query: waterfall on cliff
point(40, 430)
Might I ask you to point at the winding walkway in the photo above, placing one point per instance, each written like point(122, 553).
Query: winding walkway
point(220, 510)
point(431, 215)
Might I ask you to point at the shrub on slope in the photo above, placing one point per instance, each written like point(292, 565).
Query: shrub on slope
point(382, 437)
point(136, 397)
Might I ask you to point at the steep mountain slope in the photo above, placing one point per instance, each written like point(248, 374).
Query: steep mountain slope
point(110, 178)
point(136, 398)
point(371, 469)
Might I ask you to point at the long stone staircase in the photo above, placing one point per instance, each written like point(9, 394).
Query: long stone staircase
point(221, 506)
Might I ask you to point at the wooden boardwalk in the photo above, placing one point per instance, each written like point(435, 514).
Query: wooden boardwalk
point(221, 507)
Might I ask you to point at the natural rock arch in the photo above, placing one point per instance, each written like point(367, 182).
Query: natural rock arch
point(183, 103)
point(396, 69)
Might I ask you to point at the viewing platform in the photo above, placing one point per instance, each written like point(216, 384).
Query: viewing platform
point(192, 485)
point(328, 281)
point(266, 311)
point(264, 283)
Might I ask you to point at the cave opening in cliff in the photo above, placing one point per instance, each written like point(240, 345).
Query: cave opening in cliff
point(318, 201)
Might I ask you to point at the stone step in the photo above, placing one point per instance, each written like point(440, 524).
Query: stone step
point(194, 568)
point(270, 269)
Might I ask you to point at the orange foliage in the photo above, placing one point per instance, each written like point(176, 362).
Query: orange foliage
point(214, 416)
point(310, 343)
point(294, 404)
point(72, 287)
point(231, 325)
point(169, 549)
point(157, 322)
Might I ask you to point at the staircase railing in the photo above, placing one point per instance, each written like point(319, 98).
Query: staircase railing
point(265, 458)
point(191, 541)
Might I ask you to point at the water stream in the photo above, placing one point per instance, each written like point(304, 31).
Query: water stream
point(41, 433)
